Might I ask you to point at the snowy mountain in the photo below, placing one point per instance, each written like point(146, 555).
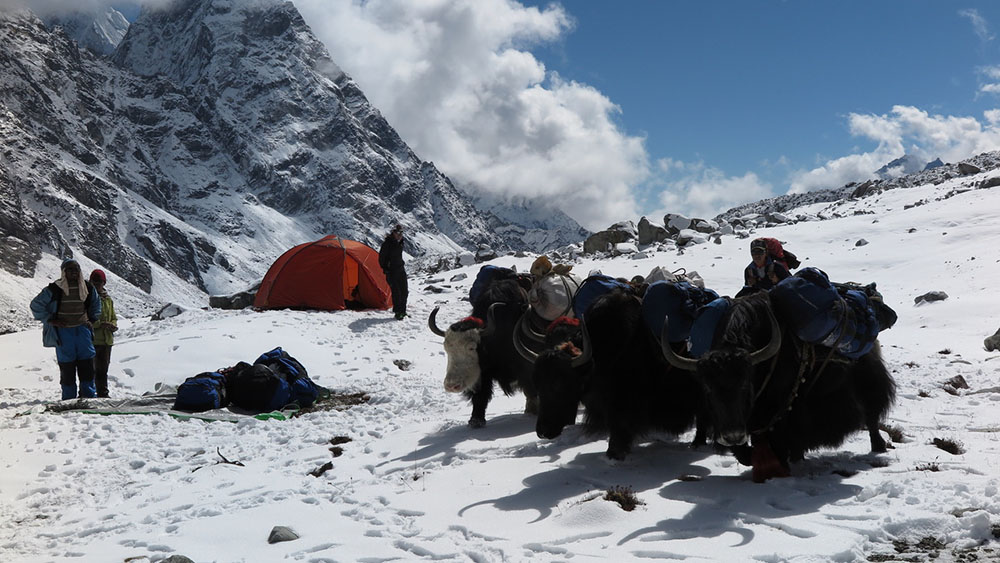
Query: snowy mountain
point(218, 135)
point(531, 223)
point(98, 32)
point(906, 164)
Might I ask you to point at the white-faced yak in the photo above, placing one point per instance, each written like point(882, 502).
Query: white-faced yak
point(481, 352)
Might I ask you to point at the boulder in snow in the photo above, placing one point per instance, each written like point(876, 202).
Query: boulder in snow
point(650, 233)
point(992, 343)
point(930, 296)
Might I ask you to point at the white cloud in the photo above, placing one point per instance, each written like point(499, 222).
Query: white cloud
point(979, 24)
point(703, 191)
point(907, 130)
point(455, 78)
point(45, 8)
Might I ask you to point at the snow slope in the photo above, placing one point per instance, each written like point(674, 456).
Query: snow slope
point(415, 483)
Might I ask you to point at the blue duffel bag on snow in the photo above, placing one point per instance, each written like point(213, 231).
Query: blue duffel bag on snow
point(202, 392)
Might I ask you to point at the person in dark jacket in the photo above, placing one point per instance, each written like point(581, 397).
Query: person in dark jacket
point(104, 332)
point(68, 308)
point(390, 257)
point(763, 272)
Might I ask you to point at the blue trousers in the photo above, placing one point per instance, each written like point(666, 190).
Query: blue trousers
point(75, 354)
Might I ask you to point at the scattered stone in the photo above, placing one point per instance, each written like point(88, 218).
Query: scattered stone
point(625, 248)
point(690, 236)
point(177, 559)
point(282, 533)
point(403, 365)
point(459, 277)
point(775, 217)
point(466, 259)
point(485, 254)
point(167, 311)
point(605, 241)
point(965, 169)
point(650, 233)
point(321, 470)
point(706, 226)
point(992, 343)
point(676, 223)
point(433, 289)
point(990, 183)
point(240, 300)
point(930, 296)
point(954, 384)
point(861, 242)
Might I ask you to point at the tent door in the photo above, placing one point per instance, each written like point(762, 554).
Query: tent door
point(352, 294)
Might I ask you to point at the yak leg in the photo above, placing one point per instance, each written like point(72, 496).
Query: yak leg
point(619, 440)
point(701, 428)
point(480, 398)
point(878, 442)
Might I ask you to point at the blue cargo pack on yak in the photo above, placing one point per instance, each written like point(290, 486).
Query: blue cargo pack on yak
point(844, 317)
point(677, 301)
point(592, 288)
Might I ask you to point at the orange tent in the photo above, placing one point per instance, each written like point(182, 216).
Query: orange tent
point(331, 274)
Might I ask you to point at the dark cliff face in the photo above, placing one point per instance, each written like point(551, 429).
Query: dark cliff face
point(215, 137)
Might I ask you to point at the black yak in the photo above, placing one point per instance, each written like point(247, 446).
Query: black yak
point(621, 378)
point(764, 385)
point(481, 352)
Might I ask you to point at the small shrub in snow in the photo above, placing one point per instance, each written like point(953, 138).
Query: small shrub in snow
point(624, 496)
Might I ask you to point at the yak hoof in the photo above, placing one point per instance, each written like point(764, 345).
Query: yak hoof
point(476, 422)
point(880, 447)
point(765, 464)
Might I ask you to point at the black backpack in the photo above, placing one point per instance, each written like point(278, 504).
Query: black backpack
point(257, 388)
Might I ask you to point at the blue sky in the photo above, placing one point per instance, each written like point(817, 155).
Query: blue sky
point(612, 110)
point(768, 86)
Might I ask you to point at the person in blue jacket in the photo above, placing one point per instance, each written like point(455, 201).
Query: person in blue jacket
point(68, 308)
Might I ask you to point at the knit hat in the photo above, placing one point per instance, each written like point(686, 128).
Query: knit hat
point(67, 262)
point(397, 229)
point(98, 274)
point(758, 244)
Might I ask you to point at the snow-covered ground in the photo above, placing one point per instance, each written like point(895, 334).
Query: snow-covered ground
point(416, 483)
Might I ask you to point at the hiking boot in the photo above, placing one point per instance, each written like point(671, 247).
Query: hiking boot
point(400, 316)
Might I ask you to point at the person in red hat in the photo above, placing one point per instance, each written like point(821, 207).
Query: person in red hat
point(104, 332)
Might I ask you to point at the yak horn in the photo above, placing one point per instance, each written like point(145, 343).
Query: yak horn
point(586, 352)
point(432, 323)
point(768, 352)
point(523, 350)
point(687, 364)
point(487, 331)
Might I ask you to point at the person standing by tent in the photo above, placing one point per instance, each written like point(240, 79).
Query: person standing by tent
point(67, 309)
point(390, 257)
point(104, 330)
